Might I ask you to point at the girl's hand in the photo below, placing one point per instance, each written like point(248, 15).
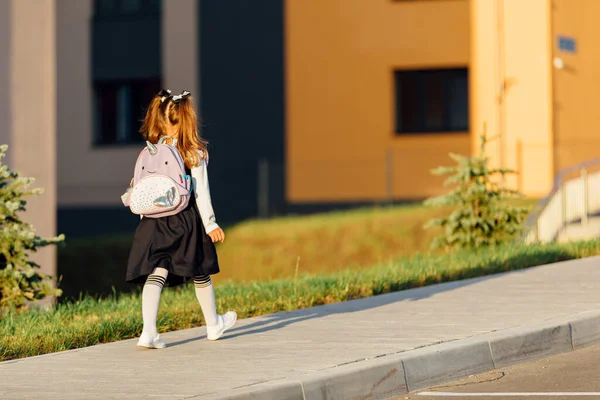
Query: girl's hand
point(217, 235)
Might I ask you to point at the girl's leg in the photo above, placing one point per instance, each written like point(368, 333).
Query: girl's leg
point(150, 301)
point(205, 294)
point(216, 324)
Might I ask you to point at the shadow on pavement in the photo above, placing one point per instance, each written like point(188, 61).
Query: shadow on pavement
point(280, 320)
point(472, 276)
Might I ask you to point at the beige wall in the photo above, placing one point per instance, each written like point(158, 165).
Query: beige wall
point(511, 49)
point(5, 103)
point(88, 176)
point(485, 76)
point(528, 69)
point(97, 176)
point(180, 51)
point(27, 107)
point(577, 120)
point(340, 62)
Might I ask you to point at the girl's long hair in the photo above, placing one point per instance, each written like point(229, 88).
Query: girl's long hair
point(161, 114)
point(189, 143)
point(154, 121)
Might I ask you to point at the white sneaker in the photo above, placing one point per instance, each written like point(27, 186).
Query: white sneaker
point(225, 322)
point(150, 342)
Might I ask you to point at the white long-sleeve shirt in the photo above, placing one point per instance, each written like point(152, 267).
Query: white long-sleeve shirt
point(202, 194)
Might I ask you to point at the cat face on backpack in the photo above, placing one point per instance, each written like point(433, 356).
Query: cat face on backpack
point(159, 159)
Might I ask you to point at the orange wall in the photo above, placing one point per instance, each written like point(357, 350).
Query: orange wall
point(511, 49)
point(529, 94)
point(577, 98)
point(340, 59)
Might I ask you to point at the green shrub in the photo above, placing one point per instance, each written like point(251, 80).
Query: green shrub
point(483, 213)
point(20, 280)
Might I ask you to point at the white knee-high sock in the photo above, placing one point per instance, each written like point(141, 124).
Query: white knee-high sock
point(151, 298)
point(206, 297)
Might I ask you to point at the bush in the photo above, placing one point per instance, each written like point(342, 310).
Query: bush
point(483, 215)
point(20, 280)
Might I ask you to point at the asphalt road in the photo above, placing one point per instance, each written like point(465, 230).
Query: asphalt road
point(574, 375)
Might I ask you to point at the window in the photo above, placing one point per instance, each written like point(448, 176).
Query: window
point(126, 66)
point(119, 109)
point(435, 100)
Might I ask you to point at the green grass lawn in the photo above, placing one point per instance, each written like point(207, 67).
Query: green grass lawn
point(270, 249)
point(91, 321)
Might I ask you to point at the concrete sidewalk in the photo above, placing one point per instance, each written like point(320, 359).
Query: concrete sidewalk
point(359, 349)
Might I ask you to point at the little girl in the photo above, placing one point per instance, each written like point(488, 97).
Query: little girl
point(174, 249)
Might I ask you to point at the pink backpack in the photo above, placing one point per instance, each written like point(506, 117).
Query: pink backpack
point(160, 185)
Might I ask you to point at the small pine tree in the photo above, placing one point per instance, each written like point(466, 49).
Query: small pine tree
point(20, 280)
point(483, 216)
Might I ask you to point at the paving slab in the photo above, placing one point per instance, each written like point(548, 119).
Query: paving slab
point(309, 354)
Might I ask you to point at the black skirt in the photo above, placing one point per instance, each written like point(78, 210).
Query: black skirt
point(178, 243)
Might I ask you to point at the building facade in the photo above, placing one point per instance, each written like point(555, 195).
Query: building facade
point(377, 95)
point(114, 55)
point(305, 103)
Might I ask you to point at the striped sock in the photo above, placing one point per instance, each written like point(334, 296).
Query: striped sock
point(206, 297)
point(151, 298)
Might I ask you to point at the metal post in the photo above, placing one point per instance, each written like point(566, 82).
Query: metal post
point(263, 188)
point(389, 175)
point(584, 178)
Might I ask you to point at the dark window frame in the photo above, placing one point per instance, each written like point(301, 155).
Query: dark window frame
point(139, 99)
point(147, 8)
point(125, 68)
point(423, 84)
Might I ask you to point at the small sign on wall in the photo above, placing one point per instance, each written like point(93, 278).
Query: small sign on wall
point(567, 44)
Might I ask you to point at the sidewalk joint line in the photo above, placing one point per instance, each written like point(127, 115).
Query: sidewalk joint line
point(405, 377)
point(571, 335)
point(302, 387)
point(491, 354)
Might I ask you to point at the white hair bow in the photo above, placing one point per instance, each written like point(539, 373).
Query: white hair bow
point(184, 95)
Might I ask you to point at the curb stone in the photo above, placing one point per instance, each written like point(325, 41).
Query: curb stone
point(585, 330)
point(377, 378)
point(529, 343)
point(413, 370)
point(431, 365)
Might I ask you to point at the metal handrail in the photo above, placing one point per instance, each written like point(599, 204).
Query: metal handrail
point(559, 181)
